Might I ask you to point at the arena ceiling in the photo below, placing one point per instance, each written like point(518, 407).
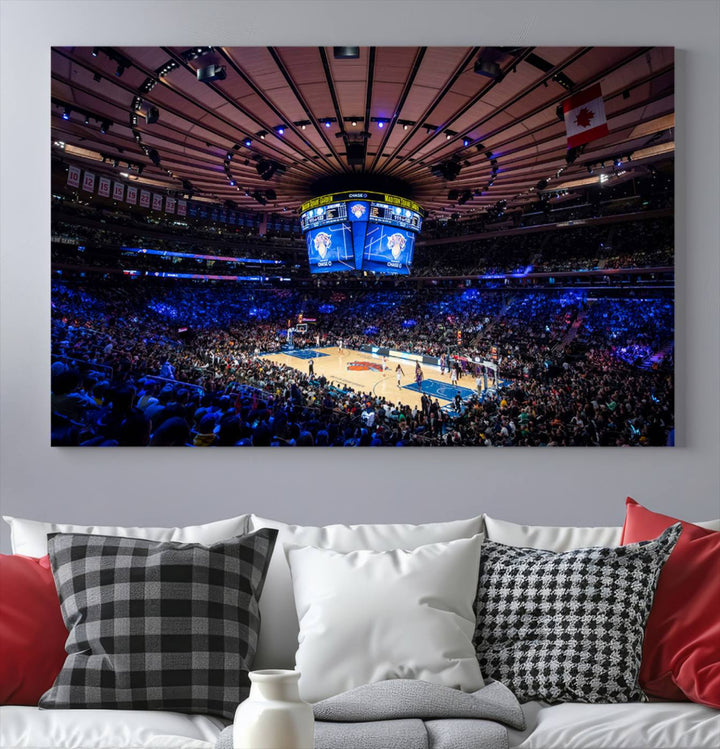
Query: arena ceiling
point(419, 119)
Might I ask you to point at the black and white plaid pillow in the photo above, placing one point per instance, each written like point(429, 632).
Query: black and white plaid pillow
point(567, 627)
point(158, 625)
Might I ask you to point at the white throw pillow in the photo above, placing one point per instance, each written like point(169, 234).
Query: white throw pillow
point(29, 537)
point(279, 626)
point(559, 538)
point(367, 616)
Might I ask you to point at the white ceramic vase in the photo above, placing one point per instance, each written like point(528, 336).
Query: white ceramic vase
point(274, 716)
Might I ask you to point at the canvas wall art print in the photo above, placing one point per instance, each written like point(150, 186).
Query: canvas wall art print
point(362, 246)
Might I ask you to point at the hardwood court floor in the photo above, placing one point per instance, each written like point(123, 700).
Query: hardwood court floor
point(334, 365)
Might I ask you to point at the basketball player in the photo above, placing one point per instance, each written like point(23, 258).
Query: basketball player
point(340, 346)
point(418, 375)
point(311, 368)
point(453, 376)
point(398, 374)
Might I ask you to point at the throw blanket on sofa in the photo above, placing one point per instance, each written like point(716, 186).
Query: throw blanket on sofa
point(408, 714)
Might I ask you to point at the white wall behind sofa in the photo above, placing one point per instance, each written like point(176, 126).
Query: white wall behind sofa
point(174, 486)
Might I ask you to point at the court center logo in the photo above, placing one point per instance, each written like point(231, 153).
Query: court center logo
point(364, 366)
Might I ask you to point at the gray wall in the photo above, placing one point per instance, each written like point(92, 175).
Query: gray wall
point(562, 486)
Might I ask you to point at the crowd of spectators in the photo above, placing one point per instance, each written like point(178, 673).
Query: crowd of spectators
point(650, 194)
point(161, 363)
point(629, 245)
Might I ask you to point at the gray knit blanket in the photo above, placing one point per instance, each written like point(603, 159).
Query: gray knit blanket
point(409, 714)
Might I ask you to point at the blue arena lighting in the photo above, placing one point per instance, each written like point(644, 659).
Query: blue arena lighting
point(66, 114)
point(328, 123)
point(381, 124)
point(194, 256)
point(232, 183)
point(247, 142)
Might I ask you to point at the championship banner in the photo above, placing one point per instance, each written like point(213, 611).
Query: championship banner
point(169, 205)
point(73, 179)
point(118, 191)
point(157, 202)
point(585, 117)
point(104, 187)
point(88, 183)
point(144, 199)
point(182, 208)
point(132, 194)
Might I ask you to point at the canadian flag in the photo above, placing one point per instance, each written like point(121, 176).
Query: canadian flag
point(585, 117)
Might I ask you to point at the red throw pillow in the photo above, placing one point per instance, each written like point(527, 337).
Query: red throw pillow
point(681, 650)
point(32, 632)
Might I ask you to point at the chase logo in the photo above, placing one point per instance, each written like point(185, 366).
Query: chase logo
point(364, 366)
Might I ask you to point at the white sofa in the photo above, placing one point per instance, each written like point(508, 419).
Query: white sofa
point(652, 725)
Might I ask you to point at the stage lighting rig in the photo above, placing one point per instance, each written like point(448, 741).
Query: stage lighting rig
point(447, 170)
point(211, 73)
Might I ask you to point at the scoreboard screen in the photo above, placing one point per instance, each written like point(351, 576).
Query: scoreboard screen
point(330, 248)
point(388, 249)
point(372, 232)
point(329, 214)
point(393, 215)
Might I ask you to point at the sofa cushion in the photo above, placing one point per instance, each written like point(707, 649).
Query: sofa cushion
point(30, 728)
point(367, 616)
point(558, 537)
point(29, 537)
point(157, 625)
point(32, 632)
point(649, 725)
point(279, 631)
point(549, 537)
point(569, 626)
point(681, 650)
point(580, 726)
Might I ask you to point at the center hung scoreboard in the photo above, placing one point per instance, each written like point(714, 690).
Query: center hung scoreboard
point(360, 231)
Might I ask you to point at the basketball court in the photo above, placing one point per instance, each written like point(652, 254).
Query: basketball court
point(365, 372)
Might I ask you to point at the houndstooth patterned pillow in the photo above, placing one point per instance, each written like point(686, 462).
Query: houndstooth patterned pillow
point(567, 627)
point(157, 625)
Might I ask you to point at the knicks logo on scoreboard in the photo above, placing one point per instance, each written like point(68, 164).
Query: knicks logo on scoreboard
point(358, 210)
point(322, 244)
point(396, 244)
point(364, 366)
